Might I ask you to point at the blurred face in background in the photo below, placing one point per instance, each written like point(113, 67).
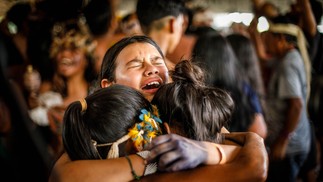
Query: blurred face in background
point(71, 62)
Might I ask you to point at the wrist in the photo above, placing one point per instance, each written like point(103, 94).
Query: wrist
point(215, 154)
point(150, 168)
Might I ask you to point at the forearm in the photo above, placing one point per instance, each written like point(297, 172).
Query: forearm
point(250, 164)
point(202, 173)
point(220, 154)
point(308, 19)
point(257, 40)
point(292, 118)
point(240, 172)
point(95, 170)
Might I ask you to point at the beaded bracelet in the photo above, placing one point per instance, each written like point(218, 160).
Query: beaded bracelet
point(132, 170)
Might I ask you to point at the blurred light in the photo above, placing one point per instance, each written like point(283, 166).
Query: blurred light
point(246, 18)
point(320, 28)
point(224, 20)
point(221, 21)
point(263, 24)
point(235, 17)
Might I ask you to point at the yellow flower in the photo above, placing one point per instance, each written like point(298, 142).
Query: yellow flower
point(147, 117)
point(151, 135)
point(136, 135)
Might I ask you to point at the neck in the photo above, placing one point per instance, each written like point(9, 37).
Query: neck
point(161, 39)
point(77, 88)
point(286, 49)
point(163, 42)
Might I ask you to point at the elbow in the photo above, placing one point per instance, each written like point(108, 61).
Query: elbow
point(261, 177)
point(262, 170)
point(261, 174)
point(257, 166)
point(261, 164)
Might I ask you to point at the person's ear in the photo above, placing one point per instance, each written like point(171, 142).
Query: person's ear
point(171, 24)
point(167, 128)
point(105, 83)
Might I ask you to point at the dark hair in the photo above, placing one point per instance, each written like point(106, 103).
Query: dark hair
point(246, 53)
point(110, 113)
point(99, 14)
point(18, 14)
point(149, 11)
point(108, 65)
point(192, 108)
point(215, 53)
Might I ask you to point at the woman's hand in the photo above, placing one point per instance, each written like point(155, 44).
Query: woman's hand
point(174, 152)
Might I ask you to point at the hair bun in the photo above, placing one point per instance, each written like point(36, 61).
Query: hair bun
point(187, 71)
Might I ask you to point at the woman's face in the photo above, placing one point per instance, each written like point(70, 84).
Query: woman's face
point(140, 66)
point(70, 62)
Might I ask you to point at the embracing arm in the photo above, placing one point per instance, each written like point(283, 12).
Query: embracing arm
point(95, 170)
point(250, 164)
point(119, 169)
point(251, 157)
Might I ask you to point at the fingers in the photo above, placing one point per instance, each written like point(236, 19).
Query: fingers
point(158, 140)
point(167, 161)
point(162, 144)
point(176, 166)
point(175, 152)
point(159, 150)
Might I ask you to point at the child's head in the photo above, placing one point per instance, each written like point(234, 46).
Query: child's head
point(92, 125)
point(149, 12)
point(191, 108)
